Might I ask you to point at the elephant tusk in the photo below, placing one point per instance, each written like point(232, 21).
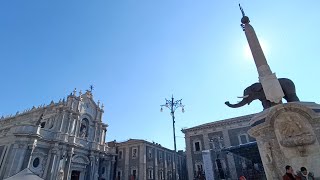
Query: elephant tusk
point(243, 96)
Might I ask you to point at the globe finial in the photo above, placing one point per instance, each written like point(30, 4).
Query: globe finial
point(244, 19)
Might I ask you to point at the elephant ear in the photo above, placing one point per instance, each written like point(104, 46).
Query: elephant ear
point(257, 87)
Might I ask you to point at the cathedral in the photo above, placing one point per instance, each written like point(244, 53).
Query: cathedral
point(63, 140)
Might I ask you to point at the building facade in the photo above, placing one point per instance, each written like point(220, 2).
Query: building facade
point(214, 138)
point(64, 140)
point(142, 160)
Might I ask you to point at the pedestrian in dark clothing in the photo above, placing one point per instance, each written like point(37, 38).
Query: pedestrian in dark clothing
point(289, 174)
point(303, 174)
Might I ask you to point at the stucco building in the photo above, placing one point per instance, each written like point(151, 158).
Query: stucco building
point(63, 140)
point(215, 137)
point(142, 160)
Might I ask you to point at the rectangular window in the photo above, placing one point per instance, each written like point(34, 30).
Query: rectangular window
point(150, 174)
point(161, 175)
point(150, 153)
point(120, 154)
point(200, 167)
point(134, 152)
point(243, 139)
point(134, 173)
point(197, 146)
point(160, 155)
point(169, 158)
point(119, 175)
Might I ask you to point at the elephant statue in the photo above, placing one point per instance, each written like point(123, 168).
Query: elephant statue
point(255, 91)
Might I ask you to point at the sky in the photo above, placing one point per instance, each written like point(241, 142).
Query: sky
point(136, 53)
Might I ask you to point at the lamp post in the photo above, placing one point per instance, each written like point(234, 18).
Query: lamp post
point(173, 105)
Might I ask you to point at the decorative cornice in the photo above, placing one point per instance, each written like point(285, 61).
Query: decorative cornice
point(135, 142)
point(220, 123)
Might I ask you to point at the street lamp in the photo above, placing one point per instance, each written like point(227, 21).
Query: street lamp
point(173, 105)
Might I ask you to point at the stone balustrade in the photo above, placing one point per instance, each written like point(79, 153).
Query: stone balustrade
point(26, 130)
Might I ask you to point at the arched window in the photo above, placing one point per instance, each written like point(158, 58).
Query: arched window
point(83, 133)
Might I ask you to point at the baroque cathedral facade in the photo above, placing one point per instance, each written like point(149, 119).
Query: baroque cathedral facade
point(64, 140)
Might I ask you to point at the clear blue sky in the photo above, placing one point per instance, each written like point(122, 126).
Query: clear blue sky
point(138, 52)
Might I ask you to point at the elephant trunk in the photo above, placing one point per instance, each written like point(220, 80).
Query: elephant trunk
point(239, 104)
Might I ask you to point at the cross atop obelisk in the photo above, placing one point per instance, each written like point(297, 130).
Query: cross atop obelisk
point(269, 81)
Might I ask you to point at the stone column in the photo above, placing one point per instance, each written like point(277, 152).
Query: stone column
point(55, 162)
point(31, 148)
point(5, 157)
point(108, 164)
point(92, 165)
point(101, 134)
point(230, 158)
point(60, 129)
point(95, 131)
point(47, 165)
point(67, 168)
point(11, 160)
point(112, 167)
point(77, 129)
point(69, 125)
point(72, 126)
point(189, 156)
point(102, 137)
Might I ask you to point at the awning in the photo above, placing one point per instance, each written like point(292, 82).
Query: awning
point(249, 151)
point(25, 174)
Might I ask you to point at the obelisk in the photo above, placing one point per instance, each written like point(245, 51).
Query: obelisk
point(269, 81)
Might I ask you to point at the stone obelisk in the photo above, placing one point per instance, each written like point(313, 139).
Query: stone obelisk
point(286, 134)
point(269, 81)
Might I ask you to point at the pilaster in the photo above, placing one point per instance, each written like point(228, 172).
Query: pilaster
point(47, 168)
point(230, 158)
point(206, 141)
point(155, 164)
point(189, 157)
point(126, 162)
point(55, 162)
point(67, 169)
point(5, 158)
point(143, 162)
point(112, 167)
point(77, 129)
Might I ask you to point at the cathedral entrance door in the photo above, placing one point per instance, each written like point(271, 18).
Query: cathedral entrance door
point(75, 175)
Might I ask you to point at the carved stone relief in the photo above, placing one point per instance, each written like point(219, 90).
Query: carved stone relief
point(294, 130)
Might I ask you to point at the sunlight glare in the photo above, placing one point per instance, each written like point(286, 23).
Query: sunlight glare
point(247, 51)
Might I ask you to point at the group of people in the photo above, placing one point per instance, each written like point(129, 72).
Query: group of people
point(303, 174)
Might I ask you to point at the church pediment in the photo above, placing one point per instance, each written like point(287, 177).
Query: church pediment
point(80, 159)
point(87, 105)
